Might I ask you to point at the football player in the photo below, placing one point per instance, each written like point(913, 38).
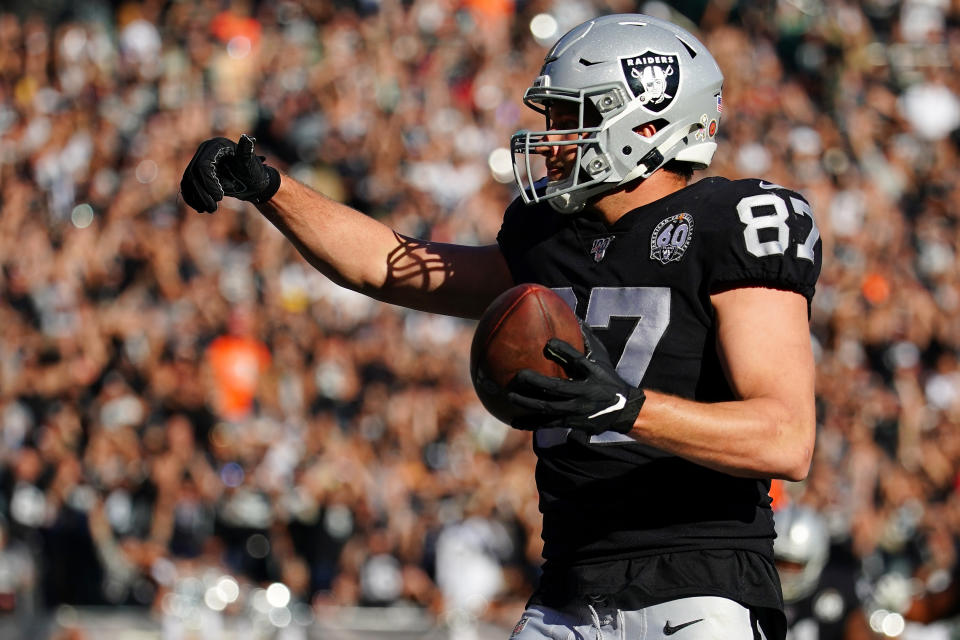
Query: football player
point(819, 591)
point(654, 462)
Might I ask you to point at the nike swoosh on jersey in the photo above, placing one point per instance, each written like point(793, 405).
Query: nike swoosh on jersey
point(769, 185)
point(616, 406)
point(669, 631)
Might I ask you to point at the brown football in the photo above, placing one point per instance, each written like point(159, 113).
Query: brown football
point(511, 335)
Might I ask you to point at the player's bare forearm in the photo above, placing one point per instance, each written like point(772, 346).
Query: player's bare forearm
point(758, 438)
point(764, 343)
point(362, 254)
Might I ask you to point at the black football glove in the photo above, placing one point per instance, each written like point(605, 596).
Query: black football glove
point(595, 400)
point(221, 167)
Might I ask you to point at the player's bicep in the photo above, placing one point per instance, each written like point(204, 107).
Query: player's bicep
point(763, 339)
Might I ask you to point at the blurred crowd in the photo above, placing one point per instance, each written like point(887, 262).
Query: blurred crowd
point(194, 422)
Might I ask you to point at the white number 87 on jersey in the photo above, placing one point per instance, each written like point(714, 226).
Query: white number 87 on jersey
point(754, 212)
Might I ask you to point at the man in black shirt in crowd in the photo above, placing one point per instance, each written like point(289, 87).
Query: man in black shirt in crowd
point(655, 456)
point(818, 579)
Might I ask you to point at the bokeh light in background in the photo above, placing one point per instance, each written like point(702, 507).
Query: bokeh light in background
point(545, 29)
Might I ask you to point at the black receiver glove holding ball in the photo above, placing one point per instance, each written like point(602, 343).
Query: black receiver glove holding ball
point(221, 167)
point(595, 400)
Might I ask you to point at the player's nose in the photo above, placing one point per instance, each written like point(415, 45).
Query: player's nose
point(545, 148)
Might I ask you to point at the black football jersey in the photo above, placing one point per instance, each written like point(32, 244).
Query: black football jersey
point(644, 285)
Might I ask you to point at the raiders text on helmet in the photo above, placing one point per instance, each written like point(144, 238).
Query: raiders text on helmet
point(623, 72)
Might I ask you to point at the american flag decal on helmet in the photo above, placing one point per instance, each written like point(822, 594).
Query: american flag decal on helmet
point(719, 103)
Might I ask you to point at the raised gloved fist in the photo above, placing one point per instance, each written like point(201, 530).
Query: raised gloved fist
point(221, 167)
point(594, 400)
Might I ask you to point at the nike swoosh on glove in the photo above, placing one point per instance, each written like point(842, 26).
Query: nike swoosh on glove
point(221, 167)
point(594, 400)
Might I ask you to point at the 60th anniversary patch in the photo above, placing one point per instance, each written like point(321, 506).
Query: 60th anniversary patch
point(671, 238)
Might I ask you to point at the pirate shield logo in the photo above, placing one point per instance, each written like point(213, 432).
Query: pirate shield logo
point(653, 78)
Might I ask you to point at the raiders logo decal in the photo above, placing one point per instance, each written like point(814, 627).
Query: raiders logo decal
point(671, 238)
point(653, 78)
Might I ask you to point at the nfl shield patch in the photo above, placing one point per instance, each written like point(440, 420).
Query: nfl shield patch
point(599, 248)
point(517, 628)
point(653, 78)
point(671, 238)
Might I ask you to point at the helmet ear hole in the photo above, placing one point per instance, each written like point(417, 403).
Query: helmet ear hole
point(658, 125)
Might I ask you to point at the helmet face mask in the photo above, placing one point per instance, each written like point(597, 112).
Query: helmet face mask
point(590, 167)
point(622, 72)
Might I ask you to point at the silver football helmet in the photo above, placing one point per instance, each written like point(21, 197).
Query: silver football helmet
point(801, 549)
point(622, 71)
